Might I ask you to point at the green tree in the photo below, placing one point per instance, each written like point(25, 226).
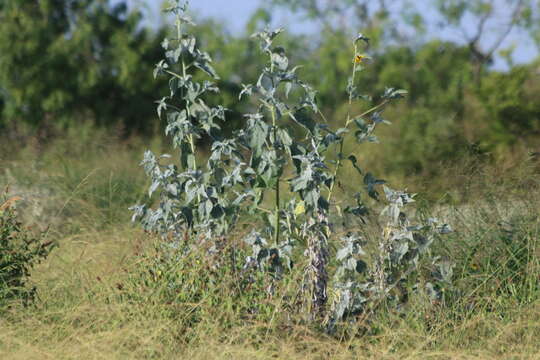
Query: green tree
point(513, 107)
point(486, 24)
point(64, 60)
point(456, 99)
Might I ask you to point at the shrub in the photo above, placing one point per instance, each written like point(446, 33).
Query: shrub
point(284, 169)
point(20, 251)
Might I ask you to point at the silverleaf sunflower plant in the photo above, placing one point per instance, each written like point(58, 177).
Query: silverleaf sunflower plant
point(283, 168)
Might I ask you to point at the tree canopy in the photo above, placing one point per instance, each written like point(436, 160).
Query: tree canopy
point(63, 62)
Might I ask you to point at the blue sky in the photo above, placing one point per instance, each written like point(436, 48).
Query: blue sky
point(236, 11)
point(235, 14)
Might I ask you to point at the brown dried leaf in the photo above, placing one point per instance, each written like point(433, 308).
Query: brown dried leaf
point(10, 202)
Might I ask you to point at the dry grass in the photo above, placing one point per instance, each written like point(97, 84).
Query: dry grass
point(81, 314)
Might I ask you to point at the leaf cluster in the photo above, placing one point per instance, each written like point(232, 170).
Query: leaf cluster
point(20, 251)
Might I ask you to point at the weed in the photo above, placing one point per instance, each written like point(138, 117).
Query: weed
point(282, 152)
point(20, 251)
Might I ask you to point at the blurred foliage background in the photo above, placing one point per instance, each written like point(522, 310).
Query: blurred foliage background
point(64, 63)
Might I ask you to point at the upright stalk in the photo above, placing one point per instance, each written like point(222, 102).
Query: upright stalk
point(347, 122)
point(184, 73)
point(277, 204)
point(191, 140)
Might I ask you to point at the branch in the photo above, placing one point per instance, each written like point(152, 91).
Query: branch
point(481, 25)
point(504, 35)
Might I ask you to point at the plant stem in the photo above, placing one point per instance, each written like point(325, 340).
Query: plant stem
point(274, 126)
point(277, 230)
point(191, 140)
point(347, 122)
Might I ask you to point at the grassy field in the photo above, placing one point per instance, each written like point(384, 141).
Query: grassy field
point(81, 188)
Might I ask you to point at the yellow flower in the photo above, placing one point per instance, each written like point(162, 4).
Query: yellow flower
point(387, 232)
point(300, 208)
point(359, 58)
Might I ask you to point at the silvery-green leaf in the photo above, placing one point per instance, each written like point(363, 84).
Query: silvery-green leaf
point(162, 105)
point(279, 59)
point(188, 43)
point(444, 229)
point(444, 271)
point(433, 293)
point(246, 90)
point(343, 253)
point(172, 189)
point(165, 44)
point(138, 212)
point(288, 88)
point(350, 264)
point(391, 93)
point(153, 187)
point(399, 252)
point(207, 68)
point(377, 118)
point(185, 19)
point(160, 68)
point(361, 37)
point(343, 304)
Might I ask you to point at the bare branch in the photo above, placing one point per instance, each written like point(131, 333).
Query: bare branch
point(504, 35)
point(482, 24)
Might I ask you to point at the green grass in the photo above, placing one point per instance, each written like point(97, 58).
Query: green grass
point(91, 306)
